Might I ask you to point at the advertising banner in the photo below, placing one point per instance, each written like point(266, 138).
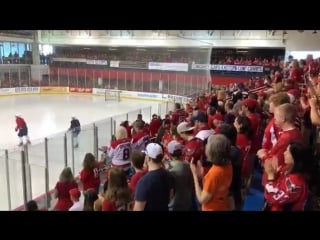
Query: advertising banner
point(23, 90)
point(80, 90)
point(54, 90)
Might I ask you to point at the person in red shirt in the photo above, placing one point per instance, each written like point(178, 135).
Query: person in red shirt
point(155, 124)
point(194, 147)
point(248, 108)
point(64, 185)
point(284, 117)
point(137, 160)
point(243, 142)
point(179, 115)
point(272, 132)
point(22, 130)
point(287, 187)
point(89, 175)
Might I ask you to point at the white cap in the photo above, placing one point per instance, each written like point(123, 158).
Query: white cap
point(18, 115)
point(153, 150)
point(184, 127)
point(174, 146)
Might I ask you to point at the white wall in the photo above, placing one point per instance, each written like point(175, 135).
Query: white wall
point(306, 41)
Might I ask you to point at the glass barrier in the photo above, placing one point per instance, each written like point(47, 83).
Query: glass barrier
point(78, 146)
point(104, 132)
point(38, 185)
point(146, 114)
point(5, 199)
point(56, 157)
point(16, 180)
point(132, 116)
point(36, 153)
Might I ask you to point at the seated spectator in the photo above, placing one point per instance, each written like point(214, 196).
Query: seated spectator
point(64, 185)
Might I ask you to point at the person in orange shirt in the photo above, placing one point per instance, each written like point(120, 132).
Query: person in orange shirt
point(216, 183)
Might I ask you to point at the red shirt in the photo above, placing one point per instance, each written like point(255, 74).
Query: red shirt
point(255, 124)
point(280, 147)
point(64, 202)
point(134, 180)
point(271, 135)
point(89, 179)
point(178, 116)
point(193, 149)
point(20, 123)
point(244, 144)
point(155, 124)
point(287, 192)
point(167, 137)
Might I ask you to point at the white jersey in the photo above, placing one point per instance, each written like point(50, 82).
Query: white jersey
point(204, 134)
point(120, 151)
point(139, 141)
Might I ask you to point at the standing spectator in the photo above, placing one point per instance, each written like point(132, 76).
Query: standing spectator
point(65, 184)
point(217, 182)
point(137, 161)
point(155, 189)
point(183, 199)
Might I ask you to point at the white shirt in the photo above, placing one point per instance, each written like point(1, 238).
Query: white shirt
point(77, 206)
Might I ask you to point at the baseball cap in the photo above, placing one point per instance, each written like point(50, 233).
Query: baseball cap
point(250, 103)
point(153, 150)
point(75, 193)
point(174, 146)
point(184, 127)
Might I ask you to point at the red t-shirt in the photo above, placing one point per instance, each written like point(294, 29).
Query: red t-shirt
point(134, 180)
point(64, 202)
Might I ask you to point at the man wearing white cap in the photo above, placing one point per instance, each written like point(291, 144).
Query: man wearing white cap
point(75, 129)
point(155, 188)
point(22, 130)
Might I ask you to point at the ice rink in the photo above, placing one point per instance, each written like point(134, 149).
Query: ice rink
point(49, 116)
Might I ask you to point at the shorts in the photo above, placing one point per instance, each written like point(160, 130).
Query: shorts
point(23, 132)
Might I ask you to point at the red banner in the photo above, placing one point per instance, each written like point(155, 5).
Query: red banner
point(80, 90)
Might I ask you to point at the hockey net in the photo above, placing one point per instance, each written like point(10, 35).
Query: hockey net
point(112, 95)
